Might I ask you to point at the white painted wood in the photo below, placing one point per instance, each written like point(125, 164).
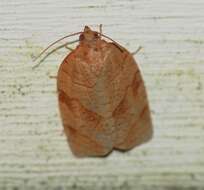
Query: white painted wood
point(33, 150)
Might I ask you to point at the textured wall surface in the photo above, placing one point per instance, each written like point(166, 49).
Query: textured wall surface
point(33, 149)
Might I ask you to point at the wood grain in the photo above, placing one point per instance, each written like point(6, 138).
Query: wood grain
point(33, 150)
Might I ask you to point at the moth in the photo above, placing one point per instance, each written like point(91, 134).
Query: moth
point(102, 98)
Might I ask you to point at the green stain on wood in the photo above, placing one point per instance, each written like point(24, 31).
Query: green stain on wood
point(180, 72)
point(194, 41)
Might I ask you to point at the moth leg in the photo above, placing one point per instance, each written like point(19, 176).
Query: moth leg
point(138, 49)
point(100, 29)
point(67, 47)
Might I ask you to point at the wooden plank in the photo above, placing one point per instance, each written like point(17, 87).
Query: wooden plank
point(33, 150)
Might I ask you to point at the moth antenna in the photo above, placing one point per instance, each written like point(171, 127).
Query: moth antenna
point(117, 44)
point(55, 43)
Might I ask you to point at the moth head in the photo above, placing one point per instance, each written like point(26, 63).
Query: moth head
point(88, 35)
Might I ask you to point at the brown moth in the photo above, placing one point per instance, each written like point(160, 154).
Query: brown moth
point(102, 98)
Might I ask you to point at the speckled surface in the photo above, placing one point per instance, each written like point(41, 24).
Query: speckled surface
point(33, 149)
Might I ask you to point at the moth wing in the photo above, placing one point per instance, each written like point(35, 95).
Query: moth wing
point(82, 145)
point(132, 115)
point(82, 126)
